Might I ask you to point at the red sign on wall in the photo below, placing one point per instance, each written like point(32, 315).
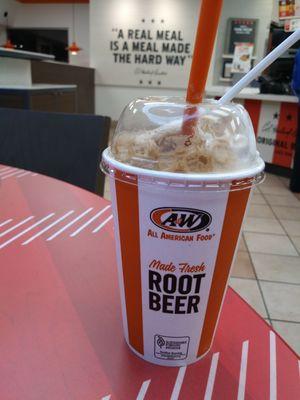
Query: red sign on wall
point(275, 125)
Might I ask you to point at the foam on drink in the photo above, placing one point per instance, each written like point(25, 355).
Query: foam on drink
point(218, 139)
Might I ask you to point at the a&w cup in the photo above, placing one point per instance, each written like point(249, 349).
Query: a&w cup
point(180, 180)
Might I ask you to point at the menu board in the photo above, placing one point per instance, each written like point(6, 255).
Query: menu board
point(241, 30)
point(242, 58)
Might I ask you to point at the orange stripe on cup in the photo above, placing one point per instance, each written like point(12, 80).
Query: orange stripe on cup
point(254, 108)
point(235, 210)
point(128, 216)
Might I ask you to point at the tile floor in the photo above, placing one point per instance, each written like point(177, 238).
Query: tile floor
point(266, 271)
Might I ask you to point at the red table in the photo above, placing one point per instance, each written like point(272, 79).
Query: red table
point(60, 319)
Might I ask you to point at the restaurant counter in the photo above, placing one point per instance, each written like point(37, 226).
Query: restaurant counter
point(28, 70)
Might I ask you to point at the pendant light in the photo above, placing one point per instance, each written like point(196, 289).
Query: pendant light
point(8, 44)
point(73, 48)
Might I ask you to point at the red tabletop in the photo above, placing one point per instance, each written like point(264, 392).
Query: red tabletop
point(60, 319)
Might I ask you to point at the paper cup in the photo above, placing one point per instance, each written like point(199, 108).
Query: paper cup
point(176, 237)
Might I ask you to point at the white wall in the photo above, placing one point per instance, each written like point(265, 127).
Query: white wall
point(11, 7)
point(118, 18)
point(56, 16)
point(181, 14)
point(275, 13)
point(110, 100)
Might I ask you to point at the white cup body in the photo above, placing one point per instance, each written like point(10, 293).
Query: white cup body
point(175, 245)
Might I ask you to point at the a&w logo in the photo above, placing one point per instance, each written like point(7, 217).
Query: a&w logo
point(184, 220)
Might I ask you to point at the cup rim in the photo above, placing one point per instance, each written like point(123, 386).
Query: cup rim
point(109, 163)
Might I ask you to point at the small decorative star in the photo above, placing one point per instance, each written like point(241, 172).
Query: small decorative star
point(275, 115)
point(289, 117)
point(150, 82)
point(143, 20)
point(162, 21)
point(141, 81)
point(159, 82)
point(152, 20)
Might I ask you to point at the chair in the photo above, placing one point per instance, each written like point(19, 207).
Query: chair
point(65, 146)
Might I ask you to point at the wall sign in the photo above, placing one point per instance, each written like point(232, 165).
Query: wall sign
point(149, 47)
point(143, 49)
point(275, 125)
point(241, 30)
point(242, 58)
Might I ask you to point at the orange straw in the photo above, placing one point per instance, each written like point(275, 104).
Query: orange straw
point(204, 44)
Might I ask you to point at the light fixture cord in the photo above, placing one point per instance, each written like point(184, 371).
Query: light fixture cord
point(6, 17)
point(73, 21)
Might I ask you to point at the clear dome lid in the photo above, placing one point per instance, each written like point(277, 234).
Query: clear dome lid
point(167, 134)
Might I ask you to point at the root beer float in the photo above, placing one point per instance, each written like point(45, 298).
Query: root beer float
point(181, 172)
point(178, 211)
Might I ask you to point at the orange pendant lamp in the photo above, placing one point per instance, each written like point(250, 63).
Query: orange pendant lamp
point(8, 44)
point(73, 48)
